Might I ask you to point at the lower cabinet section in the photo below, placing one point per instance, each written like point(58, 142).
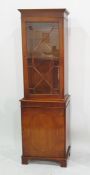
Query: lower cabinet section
point(44, 133)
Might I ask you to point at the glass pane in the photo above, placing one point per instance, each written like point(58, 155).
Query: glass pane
point(43, 58)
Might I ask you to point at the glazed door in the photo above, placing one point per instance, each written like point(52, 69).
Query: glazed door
point(42, 58)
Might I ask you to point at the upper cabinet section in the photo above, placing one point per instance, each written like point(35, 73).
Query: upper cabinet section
point(43, 51)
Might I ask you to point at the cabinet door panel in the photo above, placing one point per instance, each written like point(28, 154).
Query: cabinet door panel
point(43, 57)
point(43, 132)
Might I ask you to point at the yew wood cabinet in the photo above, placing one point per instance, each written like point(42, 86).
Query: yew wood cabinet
point(45, 107)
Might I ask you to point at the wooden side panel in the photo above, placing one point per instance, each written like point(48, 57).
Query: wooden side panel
point(61, 24)
point(67, 126)
point(25, 63)
point(65, 56)
point(43, 132)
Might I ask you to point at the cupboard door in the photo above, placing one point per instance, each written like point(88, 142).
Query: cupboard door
point(43, 132)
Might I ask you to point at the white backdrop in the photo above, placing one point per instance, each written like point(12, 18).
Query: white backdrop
point(11, 79)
